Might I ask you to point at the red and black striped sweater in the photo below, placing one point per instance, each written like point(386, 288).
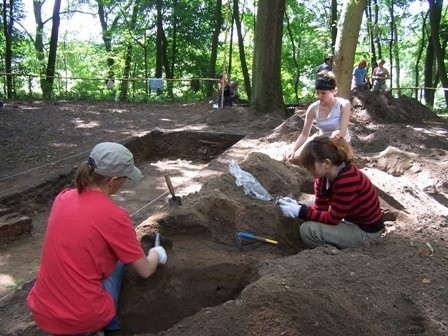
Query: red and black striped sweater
point(351, 196)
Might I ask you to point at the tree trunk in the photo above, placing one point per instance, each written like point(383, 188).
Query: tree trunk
point(231, 44)
point(39, 40)
point(244, 68)
point(375, 23)
point(395, 58)
point(370, 31)
point(214, 52)
point(334, 21)
point(429, 74)
point(124, 87)
point(47, 88)
point(421, 48)
point(294, 58)
point(8, 24)
point(106, 32)
point(159, 40)
point(347, 39)
point(174, 46)
point(435, 14)
point(266, 84)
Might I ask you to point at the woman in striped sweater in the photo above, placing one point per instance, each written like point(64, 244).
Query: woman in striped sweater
point(346, 212)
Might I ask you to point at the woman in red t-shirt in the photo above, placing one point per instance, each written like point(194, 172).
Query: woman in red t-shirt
point(87, 242)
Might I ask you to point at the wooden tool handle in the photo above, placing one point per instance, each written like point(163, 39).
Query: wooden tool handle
point(170, 185)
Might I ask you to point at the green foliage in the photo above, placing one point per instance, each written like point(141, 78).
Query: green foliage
point(82, 66)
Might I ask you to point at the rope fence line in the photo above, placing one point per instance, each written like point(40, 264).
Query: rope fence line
point(52, 163)
point(175, 80)
point(417, 88)
point(105, 79)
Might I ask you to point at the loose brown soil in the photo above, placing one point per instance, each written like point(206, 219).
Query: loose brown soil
point(210, 286)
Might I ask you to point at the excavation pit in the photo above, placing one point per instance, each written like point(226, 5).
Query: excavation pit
point(180, 155)
point(205, 266)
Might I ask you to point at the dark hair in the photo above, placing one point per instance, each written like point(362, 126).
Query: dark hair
point(328, 58)
point(322, 148)
point(86, 177)
point(326, 80)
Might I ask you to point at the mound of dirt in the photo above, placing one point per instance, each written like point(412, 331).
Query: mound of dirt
point(215, 284)
point(382, 107)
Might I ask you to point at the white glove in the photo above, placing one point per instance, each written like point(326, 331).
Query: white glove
point(289, 209)
point(162, 254)
point(288, 200)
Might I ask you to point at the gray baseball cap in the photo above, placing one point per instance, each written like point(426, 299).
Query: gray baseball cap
point(113, 159)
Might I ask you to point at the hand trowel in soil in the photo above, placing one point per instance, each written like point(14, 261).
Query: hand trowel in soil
point(174, 201)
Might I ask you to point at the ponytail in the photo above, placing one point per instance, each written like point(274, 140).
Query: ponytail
point(345, 151)
point(85, 177)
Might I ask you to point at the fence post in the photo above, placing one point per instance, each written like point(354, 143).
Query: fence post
point(30, 89)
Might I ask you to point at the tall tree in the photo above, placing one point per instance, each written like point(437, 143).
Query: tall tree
point(214, 48)
point(128, 53)
point(8, 24)
point(39, 40)
point(244, 69)
point(429, 74)
point(394, 56)
point(435, 14)
point(370, 29)
point(347, 39)
point(266, 83)
point(107, 30)
point(421, 48)
point(47, 84)
point(333, 23)
point(376, 25)
point(294, 56)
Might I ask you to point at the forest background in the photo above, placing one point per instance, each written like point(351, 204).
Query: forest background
point(272, 48)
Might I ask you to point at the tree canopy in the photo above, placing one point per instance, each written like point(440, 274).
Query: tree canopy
point(69, 49)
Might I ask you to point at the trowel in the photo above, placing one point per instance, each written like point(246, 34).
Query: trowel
point(250, 236)
point(174, 201)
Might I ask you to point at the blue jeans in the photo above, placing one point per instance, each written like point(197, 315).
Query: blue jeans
point(113, 285)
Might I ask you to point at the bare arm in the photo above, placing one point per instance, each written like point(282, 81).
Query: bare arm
point(345, 118)
point(146, 265)
point(309, 117)
point(304, 135)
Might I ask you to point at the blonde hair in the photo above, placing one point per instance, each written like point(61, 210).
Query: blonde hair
point(322, 148)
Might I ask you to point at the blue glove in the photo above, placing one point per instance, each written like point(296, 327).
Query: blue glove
point(162, 254)
point(289, 209)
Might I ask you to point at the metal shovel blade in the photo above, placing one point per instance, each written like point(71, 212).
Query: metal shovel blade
point(174, 200)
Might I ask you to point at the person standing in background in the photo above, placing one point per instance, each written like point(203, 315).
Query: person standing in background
point(379, 76)
point(327, 65)
point(225, 95)
point(360, 76)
